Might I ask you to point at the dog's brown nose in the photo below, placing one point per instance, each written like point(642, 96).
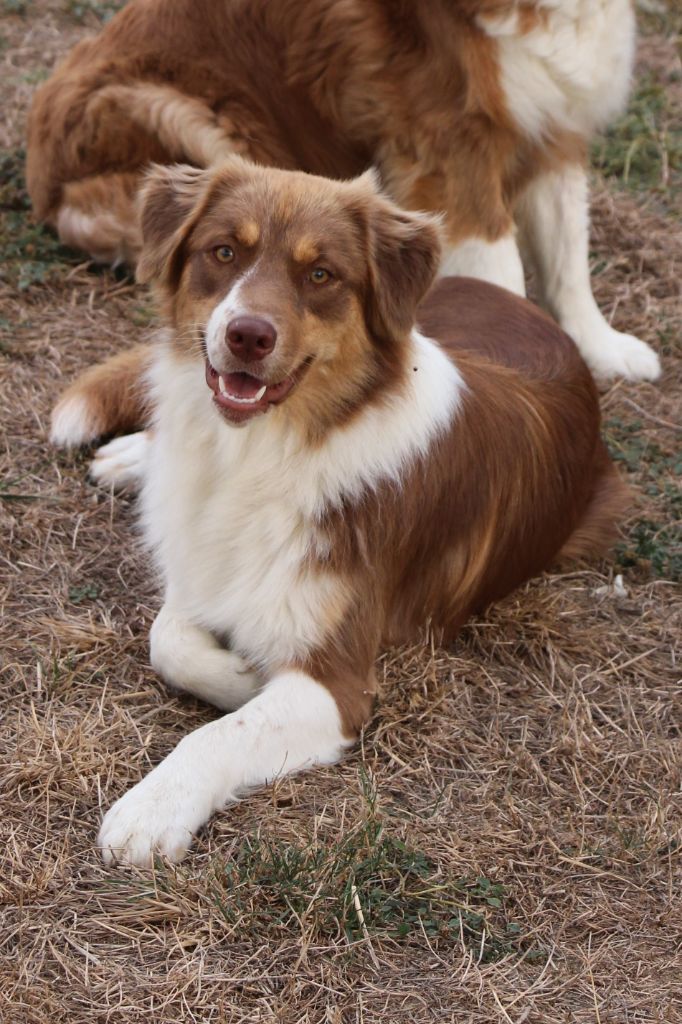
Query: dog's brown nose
point(250, 338)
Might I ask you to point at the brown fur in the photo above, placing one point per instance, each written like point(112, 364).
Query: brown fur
point(320, 85)
point(519, 477)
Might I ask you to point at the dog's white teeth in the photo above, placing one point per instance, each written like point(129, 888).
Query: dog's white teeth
point(259, 394)
point(222, 386)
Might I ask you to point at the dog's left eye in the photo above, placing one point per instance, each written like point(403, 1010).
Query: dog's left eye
point(320, 276)
point(224, 253)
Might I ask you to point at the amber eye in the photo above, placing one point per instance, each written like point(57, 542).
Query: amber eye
point(224, 253)
point(320, 276)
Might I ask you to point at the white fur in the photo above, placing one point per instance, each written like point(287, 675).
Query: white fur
point(122, 462)
point(497, 262)
point(572, 73)
point(232, 513)
point(73, 423)
point(226, 310)
point(554, 216)
point(292, 724)
point(190, 658)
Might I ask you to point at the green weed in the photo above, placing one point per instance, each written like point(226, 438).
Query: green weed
point(29, 253)
point(655, 540)
point(370, 881)
point(643, 149)
point(103, 10)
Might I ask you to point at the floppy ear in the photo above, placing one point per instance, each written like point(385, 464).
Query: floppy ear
point(404, 255)
point(166, 202)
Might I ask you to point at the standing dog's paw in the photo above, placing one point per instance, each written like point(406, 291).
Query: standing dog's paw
point(122, 461)
point(609, 354)
point(157, 817)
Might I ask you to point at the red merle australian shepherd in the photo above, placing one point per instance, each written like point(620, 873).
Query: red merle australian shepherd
point(329, 465)
point(478, 109)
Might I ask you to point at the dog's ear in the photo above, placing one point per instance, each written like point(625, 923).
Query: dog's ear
point(404, 256)
point(166, 201)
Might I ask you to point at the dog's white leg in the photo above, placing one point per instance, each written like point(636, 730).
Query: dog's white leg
point(555, 219)
point(191, 659)
point(123, 461)
point(497, 262)
point(293, 723)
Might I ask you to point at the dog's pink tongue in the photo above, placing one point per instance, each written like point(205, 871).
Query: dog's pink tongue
point(242, 385)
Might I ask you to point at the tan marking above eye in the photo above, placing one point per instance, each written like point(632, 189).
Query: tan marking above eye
point(224, 253)
point(305, 250)
point(248, 233)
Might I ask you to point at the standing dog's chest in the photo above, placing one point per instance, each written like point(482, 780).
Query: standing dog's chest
point(569, 71)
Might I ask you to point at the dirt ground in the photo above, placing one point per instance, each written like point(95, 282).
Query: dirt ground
point(504, 846)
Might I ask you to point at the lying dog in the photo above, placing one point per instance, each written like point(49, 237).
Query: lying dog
point(321, 477)
point(480, 109)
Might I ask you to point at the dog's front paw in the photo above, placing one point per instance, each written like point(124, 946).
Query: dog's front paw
point(157, 817)
point(609, 354)
point(121, 462)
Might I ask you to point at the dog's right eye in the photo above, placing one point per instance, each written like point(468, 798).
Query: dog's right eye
point(224, 253)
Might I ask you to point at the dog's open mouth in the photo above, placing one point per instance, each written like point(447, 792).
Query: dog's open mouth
point(239, 396)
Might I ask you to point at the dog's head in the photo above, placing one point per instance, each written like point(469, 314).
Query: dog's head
point(294, 289)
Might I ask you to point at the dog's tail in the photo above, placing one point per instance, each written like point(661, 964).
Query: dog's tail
point(598, 529)
point(110, 398)
point(76, 130)
point(187, 128)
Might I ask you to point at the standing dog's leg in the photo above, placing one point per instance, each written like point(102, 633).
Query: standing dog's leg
point(293, 723)
point(554, 217)
point(496, 262)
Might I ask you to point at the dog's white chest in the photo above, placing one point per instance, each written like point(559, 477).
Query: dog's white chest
point(234, 541)
point(233, 515)
point(571, 71)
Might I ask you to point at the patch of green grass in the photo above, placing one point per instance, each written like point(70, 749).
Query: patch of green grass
point(83, 592)
point(370, 882)
point(643, 149)
point(103, 10)
point(30, 254)
point(655, 540)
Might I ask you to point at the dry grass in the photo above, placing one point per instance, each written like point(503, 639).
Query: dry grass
point(510, 828)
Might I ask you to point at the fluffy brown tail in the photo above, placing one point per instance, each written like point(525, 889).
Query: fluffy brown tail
point(598, 529)
point(110, 398)
point(77, 128)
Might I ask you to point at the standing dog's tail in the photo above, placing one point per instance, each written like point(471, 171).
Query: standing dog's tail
point(110, 398)
point(76, 128)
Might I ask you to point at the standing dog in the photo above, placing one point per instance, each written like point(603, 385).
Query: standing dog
point(321, 477)
point(480, 109)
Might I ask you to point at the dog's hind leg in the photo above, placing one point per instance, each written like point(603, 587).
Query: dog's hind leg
point(554, 218)
point(99, 214)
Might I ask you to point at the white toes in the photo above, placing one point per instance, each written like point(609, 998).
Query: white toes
point(611, 354)
point(122, 461)
point(157, 817)
point(73, 422)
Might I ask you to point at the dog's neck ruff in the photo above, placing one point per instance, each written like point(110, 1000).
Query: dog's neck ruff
point(376, 446)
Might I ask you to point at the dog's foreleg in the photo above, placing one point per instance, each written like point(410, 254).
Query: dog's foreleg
point(497, 262)
point(293, 723)
point(123, 461)
point(554, 217)
point(191, 659)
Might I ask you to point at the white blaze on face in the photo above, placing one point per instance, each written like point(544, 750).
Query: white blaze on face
point(230, 307)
